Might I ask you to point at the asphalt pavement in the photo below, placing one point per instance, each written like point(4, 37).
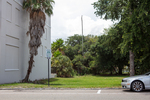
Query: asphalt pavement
point(74, 94)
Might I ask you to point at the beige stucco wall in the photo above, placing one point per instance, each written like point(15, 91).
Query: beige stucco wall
point(14, 51)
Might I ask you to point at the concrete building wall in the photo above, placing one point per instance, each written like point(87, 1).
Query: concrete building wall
point(14, 51)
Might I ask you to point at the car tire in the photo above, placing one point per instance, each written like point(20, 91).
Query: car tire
point(137, 86)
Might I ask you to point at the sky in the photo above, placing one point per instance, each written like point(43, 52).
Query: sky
point(66, 19)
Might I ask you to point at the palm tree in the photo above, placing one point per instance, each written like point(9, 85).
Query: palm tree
point(58, 46)
point(36, 9)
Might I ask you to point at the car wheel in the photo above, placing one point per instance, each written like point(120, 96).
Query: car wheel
point(137, 86)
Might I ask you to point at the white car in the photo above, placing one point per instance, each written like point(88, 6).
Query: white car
point(137, 83)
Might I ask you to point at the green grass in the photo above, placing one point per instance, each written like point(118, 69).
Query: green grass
point(87, 81)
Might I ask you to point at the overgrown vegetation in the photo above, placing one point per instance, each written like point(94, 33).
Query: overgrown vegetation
point(98, 57)
point(123, 45)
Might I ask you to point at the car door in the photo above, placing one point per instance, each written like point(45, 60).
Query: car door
point(147, 81)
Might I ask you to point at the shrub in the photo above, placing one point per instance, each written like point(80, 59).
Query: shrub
point(63, 66)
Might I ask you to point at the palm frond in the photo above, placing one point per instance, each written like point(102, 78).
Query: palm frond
point(46, 5)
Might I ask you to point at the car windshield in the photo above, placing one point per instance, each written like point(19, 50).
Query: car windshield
point(147, 73)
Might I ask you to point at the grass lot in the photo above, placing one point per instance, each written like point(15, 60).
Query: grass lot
point(87, 81)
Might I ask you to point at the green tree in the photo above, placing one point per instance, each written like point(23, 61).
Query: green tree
point(134, 16)
point(73, 40)
point(137, 31)
point(113, 40)
point(78, 63)
point(105, 57)
point(69, 51)
point(89, 40)
point(58, 45)
point(73, 50)
point(36, 9)
point(73, 46)
point(110, 9)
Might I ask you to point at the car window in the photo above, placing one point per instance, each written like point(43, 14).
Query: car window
point(147, 73)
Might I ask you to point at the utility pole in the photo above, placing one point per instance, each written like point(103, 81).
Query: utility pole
point(82, 37)
point(82, 32)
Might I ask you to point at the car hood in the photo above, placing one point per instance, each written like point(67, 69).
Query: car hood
point(135, 77)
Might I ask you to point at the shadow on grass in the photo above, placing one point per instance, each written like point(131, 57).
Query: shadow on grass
point(8, 84)
point(103, 75)
point(53, 79)
point(56, 84)
point(45, 82)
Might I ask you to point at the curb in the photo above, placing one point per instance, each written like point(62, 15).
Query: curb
point(61, 88)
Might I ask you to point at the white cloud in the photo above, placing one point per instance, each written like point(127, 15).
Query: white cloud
point(66, 20)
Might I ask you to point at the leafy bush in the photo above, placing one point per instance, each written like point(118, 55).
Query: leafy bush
point(57, 53)
point(81, 63)
point(63, 66)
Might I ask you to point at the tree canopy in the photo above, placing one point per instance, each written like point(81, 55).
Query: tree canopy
point(134, 23)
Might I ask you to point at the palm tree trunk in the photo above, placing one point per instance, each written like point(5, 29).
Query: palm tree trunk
point(132, 72)
point(36, 30)
point(26, 79)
